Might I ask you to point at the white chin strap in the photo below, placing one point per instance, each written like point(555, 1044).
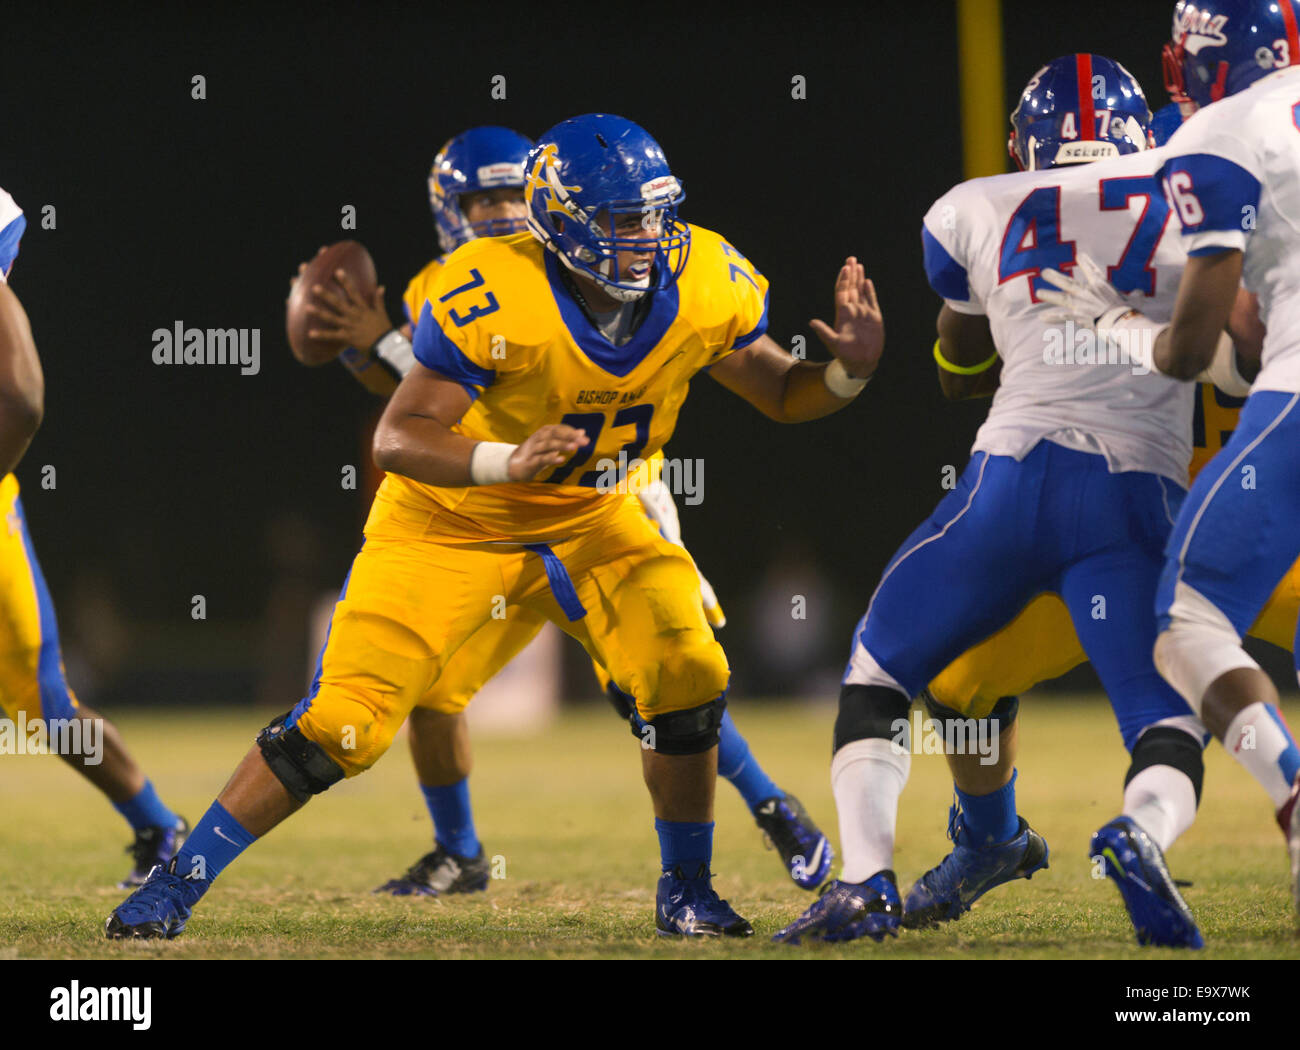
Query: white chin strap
point(623, 295)
point(627, 295)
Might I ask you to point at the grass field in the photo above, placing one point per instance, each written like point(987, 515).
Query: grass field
point(569, 816)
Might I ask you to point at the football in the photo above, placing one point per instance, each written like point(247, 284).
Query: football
point(352, 258)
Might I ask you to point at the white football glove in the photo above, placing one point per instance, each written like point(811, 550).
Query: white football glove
point(712, 607)
point(658, 504)
point(660, 507)
point(1091, 301)
point(1086, 297)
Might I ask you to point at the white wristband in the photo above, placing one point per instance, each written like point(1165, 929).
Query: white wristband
point(394, 350)
point(1222, 370)
point(489, 462)
point(1132, 333)
point(840, 383)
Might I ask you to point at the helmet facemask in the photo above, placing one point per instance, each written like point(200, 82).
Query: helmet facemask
point(588, 233)
point(590, 245)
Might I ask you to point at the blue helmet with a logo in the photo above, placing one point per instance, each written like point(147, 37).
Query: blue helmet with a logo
point(483, 158)
point(1220, 47)
point(1076, 109)
point(584, 174)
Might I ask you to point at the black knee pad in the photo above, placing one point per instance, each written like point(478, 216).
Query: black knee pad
point(625, 705)
point(686, 732)
point(301, 765)
point(869, 712)
point(1167, 746)
point(1002, 716)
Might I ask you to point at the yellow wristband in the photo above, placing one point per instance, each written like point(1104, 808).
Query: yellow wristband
point(962, 370)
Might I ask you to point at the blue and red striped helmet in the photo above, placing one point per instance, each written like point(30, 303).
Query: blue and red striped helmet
point(1220, 47)
point(1076, 109)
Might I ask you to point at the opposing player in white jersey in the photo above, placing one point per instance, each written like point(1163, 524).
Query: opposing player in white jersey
point(1232, 177)
point(1073, 486)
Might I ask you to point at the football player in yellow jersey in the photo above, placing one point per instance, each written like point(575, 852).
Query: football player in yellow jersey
point(476, 189)
point(39, 709)
point(542, 357)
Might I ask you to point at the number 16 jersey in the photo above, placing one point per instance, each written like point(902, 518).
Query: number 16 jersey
point(500, 321)
point(987, 241)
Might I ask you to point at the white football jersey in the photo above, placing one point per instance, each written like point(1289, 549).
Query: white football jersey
point(986, 242)
point(1232, 175)
point(12, 224)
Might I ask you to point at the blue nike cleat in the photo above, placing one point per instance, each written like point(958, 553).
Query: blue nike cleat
point(1133, 860)
point(848, 910)
point(947, 890)
point(153, 846)
point(158, 909)
point(805, 851)
point(691, 908)
point(439, 873)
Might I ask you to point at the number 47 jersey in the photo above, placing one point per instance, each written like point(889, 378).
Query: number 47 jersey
point(986, 243)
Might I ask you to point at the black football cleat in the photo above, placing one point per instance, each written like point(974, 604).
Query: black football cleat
point(439, 873)
point(805, 852)
point(152, 847)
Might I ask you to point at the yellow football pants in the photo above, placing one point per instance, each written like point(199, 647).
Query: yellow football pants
point(31, 665)
point(499, 641)
point(410, 604)
point(1040, 644)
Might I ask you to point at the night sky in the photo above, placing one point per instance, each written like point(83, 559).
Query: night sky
point(174, 209)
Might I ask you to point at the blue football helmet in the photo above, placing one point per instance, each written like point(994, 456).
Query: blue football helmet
point(483, 158)
point(581, 176)
point(1077, 109)
point(1220, 47)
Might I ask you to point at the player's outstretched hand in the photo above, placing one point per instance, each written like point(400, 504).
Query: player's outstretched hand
point(1082, 296)
point(858, 338)
point(344, 316)
point(548, 446)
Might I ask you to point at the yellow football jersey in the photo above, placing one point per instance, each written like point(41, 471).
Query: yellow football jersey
point(417, 291)
point(499, 321)
point(1213, 421)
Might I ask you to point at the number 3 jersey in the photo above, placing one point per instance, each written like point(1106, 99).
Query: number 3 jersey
point(987, 240)
point(500, 321)
point(1233, 173)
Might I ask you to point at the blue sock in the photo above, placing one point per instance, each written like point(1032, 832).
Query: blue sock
point(217, 840)
point(990, 818)
point(685, 845)
point(453, 821)
point(740, 767)
point(146, 810)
